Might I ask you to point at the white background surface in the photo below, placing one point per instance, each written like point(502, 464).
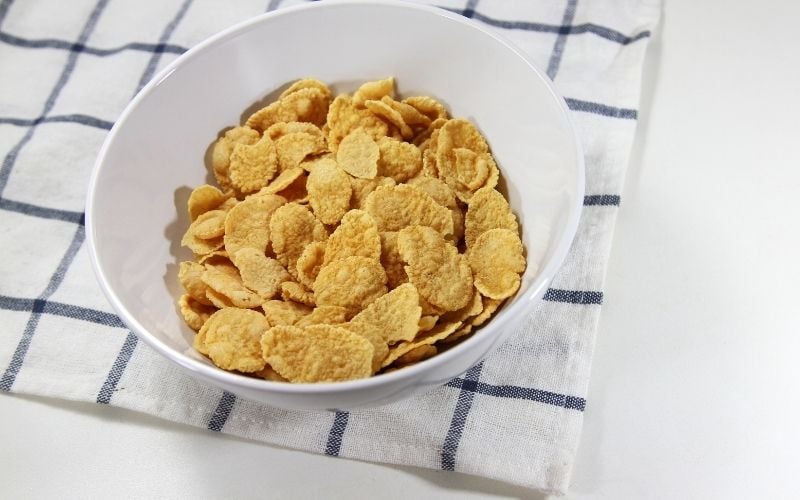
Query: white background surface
point(694, 389)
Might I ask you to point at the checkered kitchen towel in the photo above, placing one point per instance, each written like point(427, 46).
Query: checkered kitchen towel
point(67, 69)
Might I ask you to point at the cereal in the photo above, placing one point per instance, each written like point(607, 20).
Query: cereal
point(401, 206)
point(279, 312)
point(329, 192)
point(391, 260)
point(194, 313)
point(373, 90)
point(230, 287)
point(232, 339)
point(247, 224)
point(497, 262)
point(358, 154)
point(442, 275)
point(301, 105)
point(190, 275)
point(292, 227)
point(398, 160)
point(344, 117)
point(352, 283)
point(260, 273)
point(252, 166)
point(363, 187)
point(295, 292)
point(356, 235)
point(317, 353)
point(487, 210)
point(324, 315)
point(310, 262)
point(367, 228)
point(204, 199)
point(221, 152)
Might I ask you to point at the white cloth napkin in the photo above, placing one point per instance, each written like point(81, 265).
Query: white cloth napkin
point(69, 68)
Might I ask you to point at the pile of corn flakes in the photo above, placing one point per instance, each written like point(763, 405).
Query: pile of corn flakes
point(348, 236)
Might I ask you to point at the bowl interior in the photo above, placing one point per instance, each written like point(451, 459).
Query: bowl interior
point(155, 154)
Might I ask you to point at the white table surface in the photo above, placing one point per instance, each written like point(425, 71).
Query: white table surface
point(694, 390)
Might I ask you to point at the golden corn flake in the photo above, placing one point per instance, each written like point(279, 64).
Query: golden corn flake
point(358, 154)
point(401, 206)
point(230, 287)
point(386, 112)
point(365, 202)
point(352, 283)
point(223, 148)
point(426, 323)
point(317, 353)
point(209, 225)
point(324, 315)
point(497, 262)
point(291, 228)
point(440, 332)
point(295, 292)
point(194, 313)
point(302, 105)
point(204, 199)
point(442, 275)
point(428, 106)
point(232, 339)
point(190, 275)
point(329, 192)
point(294, 147)
point(363, 187)
point(416, 355)
point(489, 308)
point(488, 209)
point(307, 83)
point(398, 160)
point(251, 167)
point(247, 224)
point(279, 312)
point(260, 273)
point(394, 316)
point(344, 117)
point(310, 262)
point(374, 90)
point(392, 262)
point(356, 235)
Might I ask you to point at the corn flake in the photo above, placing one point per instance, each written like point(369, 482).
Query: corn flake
point(329, 192)
point(204, 199)
point(488, 209)
point(260, 273)
point(295, 292)
point(310, 262)
point(401, 206)
point(279, 312)
point(317, 353)
point(247, 224)
point(398, 160)
point(356, 235)
point(497, 262)
point(231, 337)
point(194, 313)
point(358, 154)
point(352, 283)
point(252, 166)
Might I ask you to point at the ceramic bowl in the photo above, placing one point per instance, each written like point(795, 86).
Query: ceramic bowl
point(154, 154)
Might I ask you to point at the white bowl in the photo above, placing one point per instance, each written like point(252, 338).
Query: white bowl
point(155, 153)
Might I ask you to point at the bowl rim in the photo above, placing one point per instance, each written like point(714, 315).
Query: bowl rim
point(494, 328)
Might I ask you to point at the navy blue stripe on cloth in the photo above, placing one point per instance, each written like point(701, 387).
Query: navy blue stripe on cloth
point(117, 369)
point(222, 412)
point(469, 9)
point(124, 355)
point(573, 296)
point(604, 200)
point(272, 5)
point(89, 121)
point(4, 5)
point(335, 435)
point(578, 29)
point(60, 309)
point(52, 43)
point(460, 413)
point(11, 157)
point(41, 212)
point(38, 308)
point(516, 392)
point(561, 39)
point(601, 109)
